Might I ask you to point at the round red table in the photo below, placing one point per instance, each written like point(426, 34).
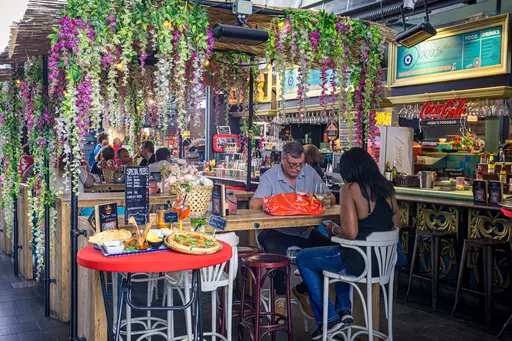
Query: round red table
point(161, 261)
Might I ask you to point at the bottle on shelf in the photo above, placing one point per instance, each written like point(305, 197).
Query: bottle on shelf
point(479, 175)
point(387, 171)
point(491, 164)
point(503, 177)
point(394, 174)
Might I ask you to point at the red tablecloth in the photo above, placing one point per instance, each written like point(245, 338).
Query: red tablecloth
point(165, 261)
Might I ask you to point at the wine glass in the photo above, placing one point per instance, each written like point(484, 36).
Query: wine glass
point(320, 191)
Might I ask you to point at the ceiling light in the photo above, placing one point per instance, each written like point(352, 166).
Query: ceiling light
point(415, 35)
point(418, 33)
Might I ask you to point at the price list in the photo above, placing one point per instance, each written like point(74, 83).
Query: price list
point(137, 194)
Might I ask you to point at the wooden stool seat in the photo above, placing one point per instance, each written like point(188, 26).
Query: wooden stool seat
point(435, 253)
point(266, 261)
point(488, 247)
point(260, 267)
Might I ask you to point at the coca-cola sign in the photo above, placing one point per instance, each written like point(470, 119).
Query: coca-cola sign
point(453, 108)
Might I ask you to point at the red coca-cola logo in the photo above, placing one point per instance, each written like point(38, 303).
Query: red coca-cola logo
point(453, 108)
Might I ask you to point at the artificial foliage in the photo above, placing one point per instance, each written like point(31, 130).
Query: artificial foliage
point(99, 59)
point(345, 50)
point(228, 75)
point(40, 123)
point(11, 132)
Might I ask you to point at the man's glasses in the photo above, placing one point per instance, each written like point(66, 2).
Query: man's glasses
point(295, 165)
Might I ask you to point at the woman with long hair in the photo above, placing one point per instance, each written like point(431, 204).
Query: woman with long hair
point(368, 204)
point(314, 158)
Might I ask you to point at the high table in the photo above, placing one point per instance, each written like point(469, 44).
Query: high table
point(163, 261)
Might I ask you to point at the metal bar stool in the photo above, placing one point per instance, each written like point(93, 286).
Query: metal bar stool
point(261, 323)
point(435, 253)
point(488, 247)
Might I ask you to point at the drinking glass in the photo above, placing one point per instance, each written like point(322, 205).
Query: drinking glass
point(320, 191)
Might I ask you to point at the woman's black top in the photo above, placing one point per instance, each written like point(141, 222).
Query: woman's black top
point(318, 169)
point(380, 220)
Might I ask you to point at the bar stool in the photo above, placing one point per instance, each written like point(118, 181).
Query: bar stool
point(488, 247)
point(261, 267)
point(435, 253)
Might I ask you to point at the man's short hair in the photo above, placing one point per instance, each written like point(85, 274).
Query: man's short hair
point(294, 149)
point(119, 151)
point(149, 146)
point(102, 137)
point(163, 154)
point(107, 153)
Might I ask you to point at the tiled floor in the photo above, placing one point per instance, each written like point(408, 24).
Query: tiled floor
point(22, 309)
point(22, 316)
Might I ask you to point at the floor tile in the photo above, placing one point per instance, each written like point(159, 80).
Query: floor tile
point(18, 328)
point(26, 318)
point(35, 336)
point(27, 284)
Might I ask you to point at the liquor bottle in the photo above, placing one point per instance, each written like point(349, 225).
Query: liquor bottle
point(394, 174)
point(387, 171)
point(503, 177)
point(479, 175)
point(491, 164)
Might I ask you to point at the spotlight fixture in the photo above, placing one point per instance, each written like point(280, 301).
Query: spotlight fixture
point(239, 35)
point(409, 5)
point(417, 33)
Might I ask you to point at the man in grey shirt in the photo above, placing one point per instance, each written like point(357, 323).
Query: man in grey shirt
point(291, 176)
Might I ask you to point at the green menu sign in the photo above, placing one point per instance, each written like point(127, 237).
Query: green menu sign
point(315, 82)
point(470, 50)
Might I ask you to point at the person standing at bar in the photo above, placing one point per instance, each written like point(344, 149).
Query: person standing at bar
point(314, 159)
point(291, 176)
point(147, 152)
point(117, 145)
point(102, 142)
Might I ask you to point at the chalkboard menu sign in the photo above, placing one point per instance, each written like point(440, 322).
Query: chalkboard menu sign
point(217, 222)
point(171, 217)
point(106, 215)
point(137, 194)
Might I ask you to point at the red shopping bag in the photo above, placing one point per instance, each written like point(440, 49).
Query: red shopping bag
point(292, 204)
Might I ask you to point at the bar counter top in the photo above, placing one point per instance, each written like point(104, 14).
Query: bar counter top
point(436, 196)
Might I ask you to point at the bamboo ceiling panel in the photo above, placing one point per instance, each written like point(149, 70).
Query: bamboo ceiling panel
point(29, 36)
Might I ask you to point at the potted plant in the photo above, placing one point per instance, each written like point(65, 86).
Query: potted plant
point(198, 224)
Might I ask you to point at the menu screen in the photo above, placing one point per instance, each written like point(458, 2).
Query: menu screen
point(137, 194)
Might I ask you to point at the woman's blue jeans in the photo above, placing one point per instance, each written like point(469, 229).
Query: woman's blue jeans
point(311, 262)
